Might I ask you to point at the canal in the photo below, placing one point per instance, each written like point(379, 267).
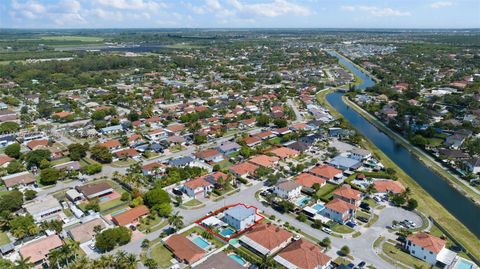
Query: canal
point(457, 204)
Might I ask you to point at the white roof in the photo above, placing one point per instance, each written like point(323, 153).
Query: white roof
point(73, 194)
point(46, 203)
point(212, 221)
point(446, 256)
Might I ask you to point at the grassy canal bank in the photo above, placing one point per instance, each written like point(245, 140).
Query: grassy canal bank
point(427, 204)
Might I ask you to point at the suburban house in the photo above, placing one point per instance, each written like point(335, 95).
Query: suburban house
point(37, 144)
point(287, 189)
point(360, 154)
point(345, 163)
point(210, 155)
point(183, 249)
point(131, 216)
point(264, 160)
point(43, 208)
point(157, 134)
point(219, 260)
point(240, 216)
point(18, 179)
point(93, 190)
point(303, 254)
point(111, 129)
point(243, 169)
point(153, 169)
point(181, 162)
point(307, 180)
point(175, 129)
point(126, 153)
point(338, 210)
point(5, 160)
point(327, 172)
point(349, 195)
point(38, 250)
point(197, 186)
point(68, 166)
point(429, 248)
point(252, 141)
point(228, 147)
point(388, 186)
point(73, 195)
point(266, 238)
point(473, 165)
point(284, 152)
point(85, 232)
point(112, 144)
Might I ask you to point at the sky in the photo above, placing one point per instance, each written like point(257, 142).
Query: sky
point(239, 14)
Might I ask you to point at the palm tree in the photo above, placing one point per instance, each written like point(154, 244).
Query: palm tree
point(131, 261)
point(23, 263)
point(150, 263)
point(79, 263)
point(267, 262)
point(176, 221)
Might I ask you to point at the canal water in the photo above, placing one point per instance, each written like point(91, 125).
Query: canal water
point(457, 204)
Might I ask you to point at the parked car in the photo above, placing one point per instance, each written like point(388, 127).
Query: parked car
point(350, 224)
point(361, 264)
point(326, 230)
point(362, 219)
point(365, 206)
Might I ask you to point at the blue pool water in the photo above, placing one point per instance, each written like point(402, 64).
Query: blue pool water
point(238, 259)
point(303, 201)
point(463, 264)
point(202, 243)
point(227, 232)
point(318, 207)
point(119, 211)
point(103, 199)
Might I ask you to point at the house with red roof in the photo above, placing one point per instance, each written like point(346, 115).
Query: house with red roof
point(111, 144)
point(131, 216)
point(339, 211)
point(303, 254)
point(429, 248)
point(37, 144)
point(266, 238)
point(307, 180)
point(327, 172)
point(252, 141)
point(264, 160)
point(197, 186)
point(349, 195)
point(183, 249)
point(210, 155)
point(243, 169)
point(388, 186)
point(152, 169)
point(126, 153)
point(284, 152)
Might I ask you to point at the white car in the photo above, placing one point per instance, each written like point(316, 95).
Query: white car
point(326, 230)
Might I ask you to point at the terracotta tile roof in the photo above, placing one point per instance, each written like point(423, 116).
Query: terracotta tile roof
point(264, 160)
point(37, 143)
point(126, 152)
point(184, 249)
point(249, 121)
point(156, 131)
point(347, 192)
point(197, 183)
point(39, 250)
point(340, 206)
point(243, 168)
point(93, 188)
point(284, 152)
point(134, 137)
point(110, 144)
point(5, 159)
point(269, 235)
point(307, 180)
point(130, 215)
point(208, 153)
point(151, 166)
point(388, 186)
point(264, 135)
point(19, 178)
point(153, 119)
point(325, 171)
point(85, 231)
point(62, 114)
point(299, 126)
point(305, 255)
point(427, 241)
point(251, 140)
point(175, 128)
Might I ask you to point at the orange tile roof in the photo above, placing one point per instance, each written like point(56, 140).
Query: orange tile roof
point(5, 159)
point(338, 205)
point(37, 143)
point(243, 168)
point(184, 249)
point(388, 186)
point(303, 254)
point(251, 140)
point(427, 241)
point(152, 166)
point(111, 144)
point(284, 152)
point(126, 152)
point(347, 192)
point(264, 160)
point(326, 171)
point(308, 180)
point(207, 153)
point(130, 215)
point(175, 128)
point(269, 235)
point(197, 183)
point(39, 250)
point(62, 114)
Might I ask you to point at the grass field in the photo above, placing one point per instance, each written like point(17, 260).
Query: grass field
point(4, 239)
point(73, 38)
point(326, 191)
point(193, 202)
point(162, 255)
point(427, 203)
point(342, 229)
point(397, 254)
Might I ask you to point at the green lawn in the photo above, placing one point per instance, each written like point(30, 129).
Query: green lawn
point(435, 142)
point(362, 214)
point(4, 239)
point(372, 221)
point(152, 225)
point(342, 229)
point(177, 148)
point(370, 202)
point(60, 161)
point(162, 255)
point(193, 202)
point(397, 254)
point(110, 204)
point(325, 191)
point(74, 38)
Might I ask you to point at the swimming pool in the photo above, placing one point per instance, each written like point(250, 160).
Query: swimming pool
point(119, 211)
point(238, 259)
point(227, 232)
point(202, 243)
point(318, 207)
point(463, 264)
point(303, 201)
point(103, 199)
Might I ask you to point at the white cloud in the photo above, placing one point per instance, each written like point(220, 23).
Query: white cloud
point(441, 4)
point(377, 11)
point(130, 4)
point(271, 9)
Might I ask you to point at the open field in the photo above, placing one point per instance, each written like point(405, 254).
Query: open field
point(74, 38)
point(427, 204)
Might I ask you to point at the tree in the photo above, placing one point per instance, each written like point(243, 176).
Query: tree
point(125, 197)
point(11, 201)
point(150, 263)
point(93, 205)
point(267, 262)
point(280, 123)
point(101, 154)
point(93, 168)
point(108, 239)
point(412, 204)
point(23, 263)
point(6, 264)
point(30, 194)
point(326, 243)
point(35, 157)
point(164, 209)
point(14, 167)
point(398, 199)
point(317, 224)
point(199, 139)
point(176, 221)
point(22, 226)
point(49, 176)
point(156, 197)
point(77, 151)
point(13, 150)
point(344, 251)
point(263, 120)
point(9, 127)
point(145, 243)
point(286, 206)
